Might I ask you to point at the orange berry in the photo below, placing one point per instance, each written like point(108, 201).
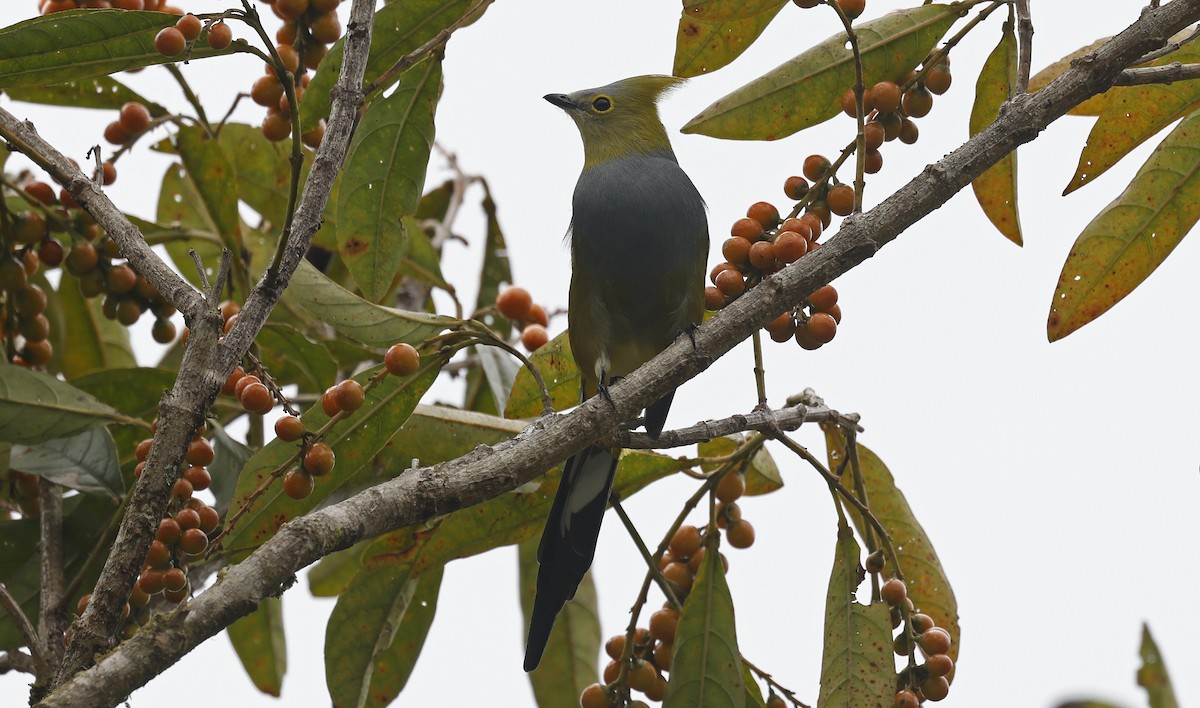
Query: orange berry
point(938, 80)
point(319, 459)
point(193, 542)
point(906, 699)
point(298, 484)
point(200, 452)
point(158, 555)
point(764, 213)
point(887, 96)
point(790, 246)
point(116, 134)
point(615, 646)
point(891, 123)
point(805, 338)
point(822, 327)
point(534, 337)
point(712, 275)
point(850, 102)
point(873, 134)
point(873, 162)
point(747, 228)
point(402, 359)
point(220, 36)
point(289, 428)
point(256, 398)
point(740, 534)
point(934, 641)
point(894, 592)
point(795, 187)
point(187, 518)
point(244, 383)
point(232, 380)
point(209, 519)
point(815, 227)
point(537, 315)
point(731, 487)
point(199, 477)
point(762, 255)
point(796, 226)
point(190, 26)
point(714, 299)
point(685, 542)
point(174, 580)
point(642, 676)
point(151, 581)
point(514, 303)
point(663, 624)
point(935, 688)
point(922, 623)
point(594, 696)
point(680, 575)
point(276, 126)
point(917, 102)
point(42, 192)
point(939, 665)
point(266, 90)
point(853, 8)
point(815, 167)
point(876, 562)
point(909, 132)
point(168, 532)
point(325, 28)
point(840, 199)
point(329, 402)
point(169, 42)
point(823, 298)
point(731, 283)
point(736, 250)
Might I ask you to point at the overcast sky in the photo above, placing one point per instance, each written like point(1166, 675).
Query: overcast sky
point(1059, 483)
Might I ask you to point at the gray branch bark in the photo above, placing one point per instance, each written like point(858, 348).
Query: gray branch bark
point(487, 472)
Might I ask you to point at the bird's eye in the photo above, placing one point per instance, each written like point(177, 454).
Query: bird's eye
point(602, 104)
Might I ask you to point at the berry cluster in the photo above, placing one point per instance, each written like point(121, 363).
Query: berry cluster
point(762, 243)
point(172, 41)
point(517, 304)
point(310, 26)
point(924, 682)
point(317, 458)
point(738, 532)
point(27, 243)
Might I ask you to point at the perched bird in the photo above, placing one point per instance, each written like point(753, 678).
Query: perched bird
point(639, 243)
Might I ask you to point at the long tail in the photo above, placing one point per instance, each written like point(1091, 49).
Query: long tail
point(569, 541)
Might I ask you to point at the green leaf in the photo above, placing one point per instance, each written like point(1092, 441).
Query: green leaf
point(1135, 115)
point(82, 44)
point(422, 261)
point(179, 207)
point(263, 173)
point(499, 371)
point(554, 361)
point(723, 10)
point(85, 461)
point(754, 697)
point(1133, 235)
point(96, 343)
point(569, 663)
point(84, 516)
point(996, 188)
point(706, 666)
point(214, 178)
point(35, 407)
point(258, 640)
point(226, 468)
point(928, 586)
point(383, 179)
point(134, 391)
point(1093, 105)
point(399, 28)
point(1153, 676)
point(356, 440)
point(330, 575)
point(100, 92)
point(356, 318)
point(857, 670)
point(807, 90)
point(377, 630)
point(296, 359)
point(703, 45)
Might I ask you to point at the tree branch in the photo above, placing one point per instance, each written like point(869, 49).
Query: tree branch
point(487, 472)
point(1165, 74)
point(52, 616)
point(762, 420)
point(1025, 44)
point(9, 603)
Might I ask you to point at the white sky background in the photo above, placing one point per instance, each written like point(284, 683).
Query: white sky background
point(1058, 482)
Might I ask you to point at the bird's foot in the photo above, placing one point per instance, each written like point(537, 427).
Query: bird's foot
point(690, 330)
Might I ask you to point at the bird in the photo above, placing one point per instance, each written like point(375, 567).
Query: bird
point(639, 244)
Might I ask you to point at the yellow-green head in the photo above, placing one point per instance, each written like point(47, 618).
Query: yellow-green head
point(619, 119)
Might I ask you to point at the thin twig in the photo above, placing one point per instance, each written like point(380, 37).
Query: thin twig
point(408, 60)
point(1165, 74)
point(1165, 50)
point(52, 619)
point(16, 660)
point(25, 627)
point(786, 419)
point(651, 563)
point(1025, 45)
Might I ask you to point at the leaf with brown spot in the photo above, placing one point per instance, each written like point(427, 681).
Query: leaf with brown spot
point(1133, 235)
point(857, 670)
point(708, 41)
point(996, 188)
point(927, 583)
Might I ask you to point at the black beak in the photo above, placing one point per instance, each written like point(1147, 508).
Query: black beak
point(561, 100)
